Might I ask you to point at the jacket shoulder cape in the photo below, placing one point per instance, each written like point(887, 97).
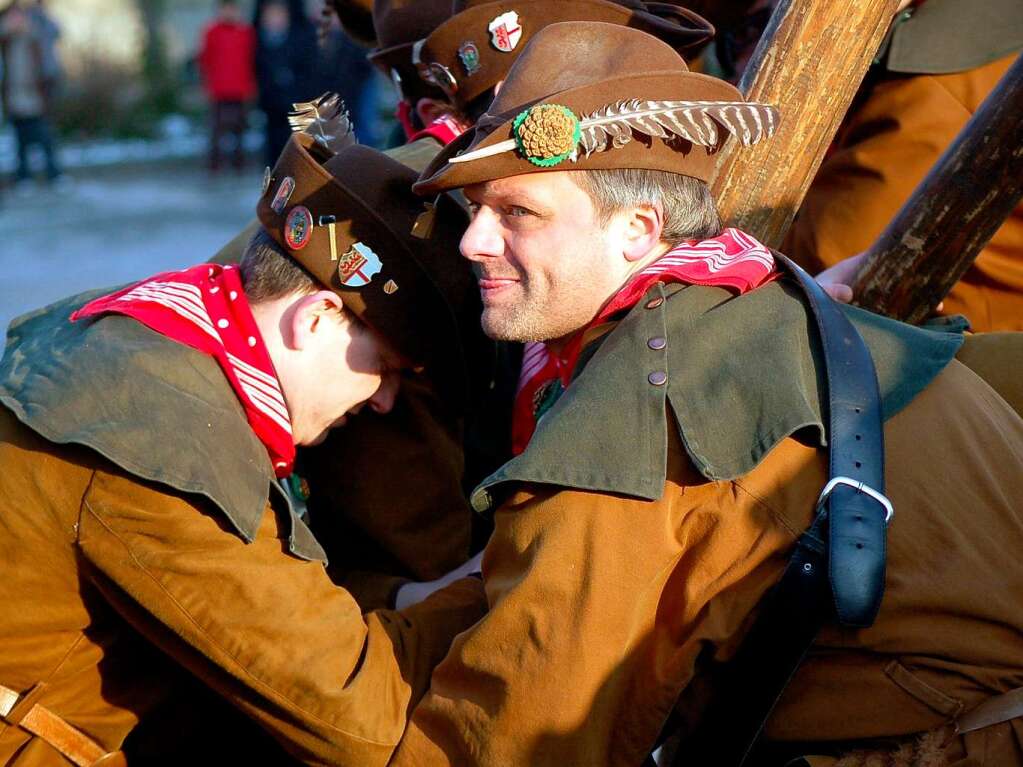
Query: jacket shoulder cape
point(159, 410)
point(945, 36)
point(742, 374)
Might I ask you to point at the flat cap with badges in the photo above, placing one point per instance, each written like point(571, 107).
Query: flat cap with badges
point(347, 215)
point(638, 108)
point(470, 53)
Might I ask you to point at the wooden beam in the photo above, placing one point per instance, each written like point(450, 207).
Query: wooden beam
point(809, 63)
point(953, 213)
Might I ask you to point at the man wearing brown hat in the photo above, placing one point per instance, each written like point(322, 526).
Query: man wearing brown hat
point(470, 54)
point(678, 426)
point(388, 532)
point(153, 533)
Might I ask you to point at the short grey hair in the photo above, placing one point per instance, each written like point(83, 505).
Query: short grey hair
point(689, 209)
point(269, 273)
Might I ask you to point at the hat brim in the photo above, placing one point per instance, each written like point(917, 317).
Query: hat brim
point(641, 152)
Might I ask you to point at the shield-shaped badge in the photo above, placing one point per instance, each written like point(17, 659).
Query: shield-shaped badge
point(505, 31)
point(358, 265)
point(470, 56)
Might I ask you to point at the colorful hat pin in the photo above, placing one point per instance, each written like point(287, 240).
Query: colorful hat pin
point(283, 194)
point(505, 31)
point(548, 134)
point(298, 227)
point(469, 55)
point(358, 266)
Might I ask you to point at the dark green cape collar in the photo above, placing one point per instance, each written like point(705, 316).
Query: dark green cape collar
point(159, 410)
point(742, 375)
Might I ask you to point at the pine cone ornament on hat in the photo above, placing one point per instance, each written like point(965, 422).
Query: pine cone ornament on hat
point(547, 134)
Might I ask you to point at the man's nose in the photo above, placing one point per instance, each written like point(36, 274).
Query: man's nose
point(482, 239)
point(383, 399)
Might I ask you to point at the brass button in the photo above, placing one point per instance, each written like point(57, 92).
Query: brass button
point(657, 343)
point(653, 303)
point(658, 378)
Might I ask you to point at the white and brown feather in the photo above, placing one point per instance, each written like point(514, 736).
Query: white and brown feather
point(326, 120)
point(698, 122)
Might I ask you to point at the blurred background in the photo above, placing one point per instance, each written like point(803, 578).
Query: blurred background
point(134, 133)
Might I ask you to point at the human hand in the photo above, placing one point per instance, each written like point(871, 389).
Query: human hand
point(838, 280)
point(414, 592)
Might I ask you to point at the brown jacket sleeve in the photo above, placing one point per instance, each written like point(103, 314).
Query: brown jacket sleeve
point(267, 630)
point(600, 606)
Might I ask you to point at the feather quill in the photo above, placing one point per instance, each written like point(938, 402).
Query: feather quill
point(326, 120)
point(699, 122)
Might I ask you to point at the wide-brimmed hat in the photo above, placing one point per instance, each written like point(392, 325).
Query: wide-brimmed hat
point(589, 95)
point(347, 215)
point(399, 25)
point(356, 17)
point(471, 52)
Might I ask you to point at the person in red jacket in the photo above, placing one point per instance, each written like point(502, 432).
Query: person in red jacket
point(227, 64)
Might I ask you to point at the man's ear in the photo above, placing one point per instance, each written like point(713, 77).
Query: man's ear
point(308, 314)
point(642, 227)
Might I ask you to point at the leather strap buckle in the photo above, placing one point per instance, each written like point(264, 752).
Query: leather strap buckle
point(860, 487)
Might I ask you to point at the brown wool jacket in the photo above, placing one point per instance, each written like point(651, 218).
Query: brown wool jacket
point(143, 547)
point(635, 538)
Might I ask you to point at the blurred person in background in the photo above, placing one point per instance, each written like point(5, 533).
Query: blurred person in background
point(30, 75)
point(342, 68)
point(285, 62)
point(227, 64)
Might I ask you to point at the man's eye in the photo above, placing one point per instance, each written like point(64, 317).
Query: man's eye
point(474, 208)
point(516, 211)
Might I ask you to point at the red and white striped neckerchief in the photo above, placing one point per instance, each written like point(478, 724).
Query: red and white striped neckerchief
point(205, 307)
point(733, 259)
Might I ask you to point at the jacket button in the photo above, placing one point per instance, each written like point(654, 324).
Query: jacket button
point(657, 343)
point(653, 303)
point(658, 378)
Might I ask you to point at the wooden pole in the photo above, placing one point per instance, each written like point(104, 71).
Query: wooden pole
point(953, 213)
point(809, 63)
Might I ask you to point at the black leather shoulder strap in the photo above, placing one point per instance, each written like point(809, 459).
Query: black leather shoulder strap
point(837, 569)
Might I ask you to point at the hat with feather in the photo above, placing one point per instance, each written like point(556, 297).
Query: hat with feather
point(588, 95)
point(471, 52)
point(347, 215)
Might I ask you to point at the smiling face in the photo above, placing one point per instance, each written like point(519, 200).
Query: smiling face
point(545, 262)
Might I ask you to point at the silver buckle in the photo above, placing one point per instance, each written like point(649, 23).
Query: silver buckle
point(861, 488)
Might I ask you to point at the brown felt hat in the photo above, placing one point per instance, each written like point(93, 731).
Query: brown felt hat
point(399, 25)
point(470, 53)
point(348, 219)
point(589, 95)
point(356, 18)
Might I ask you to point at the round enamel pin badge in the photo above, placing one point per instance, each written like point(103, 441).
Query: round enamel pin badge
point(298, 227)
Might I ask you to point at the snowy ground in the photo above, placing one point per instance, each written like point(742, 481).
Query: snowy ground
point(116, 224)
